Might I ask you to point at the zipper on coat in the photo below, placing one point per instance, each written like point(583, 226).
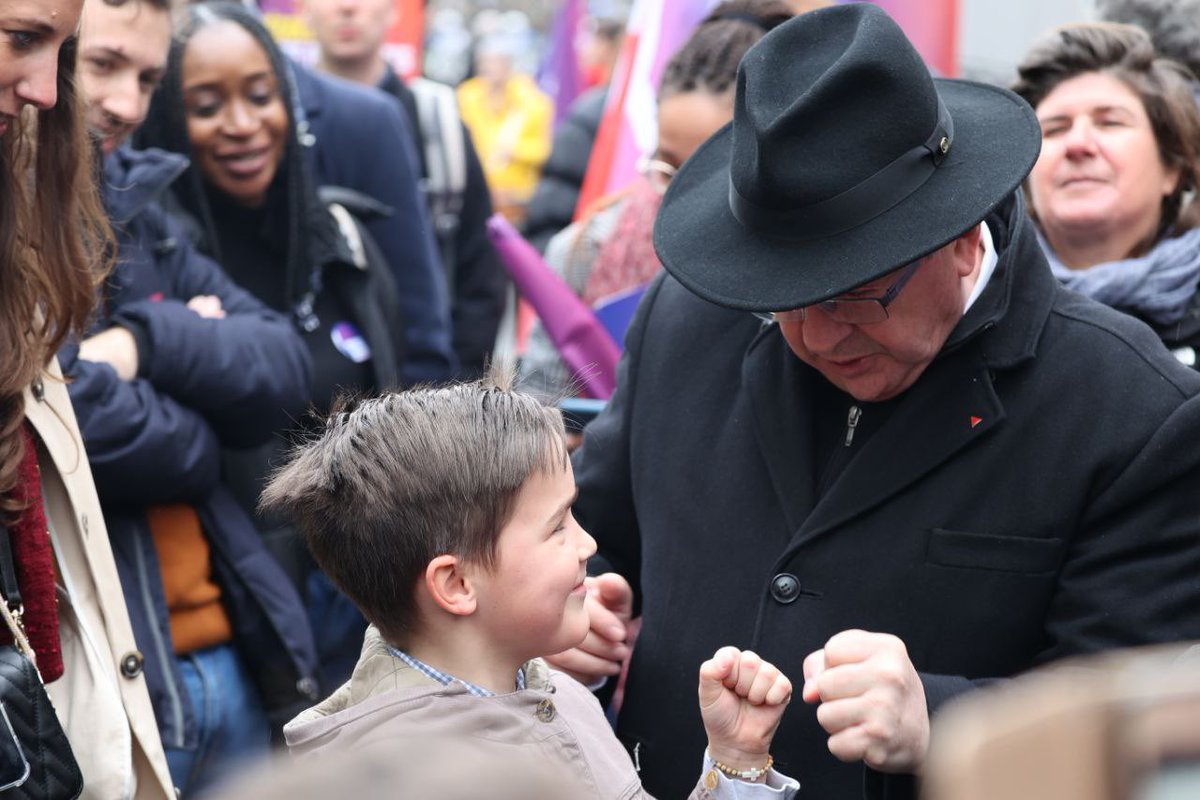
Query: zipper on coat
point(305, 317)
point(852, 423)
point(165, 656)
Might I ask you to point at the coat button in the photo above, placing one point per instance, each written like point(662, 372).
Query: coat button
point(131, 664)
point(785, 588)
point(545, 711)
point(308, 687)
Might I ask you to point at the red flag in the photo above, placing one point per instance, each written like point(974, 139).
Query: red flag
point(629, 128)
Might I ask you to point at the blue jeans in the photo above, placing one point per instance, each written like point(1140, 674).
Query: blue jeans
point(232, 725)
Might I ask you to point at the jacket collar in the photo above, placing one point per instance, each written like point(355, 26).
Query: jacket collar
point(391, 83)
point(133, 179)
point(310, 89)
point(378, 671)
point(1010, 314)
point(952, 405)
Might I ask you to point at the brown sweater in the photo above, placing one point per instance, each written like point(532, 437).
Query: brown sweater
point(198, 619)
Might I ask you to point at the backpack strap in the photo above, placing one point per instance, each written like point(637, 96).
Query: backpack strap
point(445, 163)
point(349, 230)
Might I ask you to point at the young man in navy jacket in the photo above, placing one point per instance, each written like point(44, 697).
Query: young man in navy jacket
point(181, 363)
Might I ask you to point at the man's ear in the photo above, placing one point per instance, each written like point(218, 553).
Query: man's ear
point(966, 250)
point(449, 585)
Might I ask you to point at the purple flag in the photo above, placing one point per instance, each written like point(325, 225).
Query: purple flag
point(582, 340)
point(560, 75)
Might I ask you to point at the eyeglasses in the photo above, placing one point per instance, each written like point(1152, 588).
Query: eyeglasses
point(850, 310)
point(657, 172)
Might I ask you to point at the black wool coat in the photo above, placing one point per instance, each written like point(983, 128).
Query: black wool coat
point(1036, 494)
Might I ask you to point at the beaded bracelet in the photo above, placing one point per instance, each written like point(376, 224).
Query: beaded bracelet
point(752, 774)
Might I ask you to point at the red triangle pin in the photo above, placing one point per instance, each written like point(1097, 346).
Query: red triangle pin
point(975, 421)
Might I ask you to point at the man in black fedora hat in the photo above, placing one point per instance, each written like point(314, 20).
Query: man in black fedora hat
point(861, 430)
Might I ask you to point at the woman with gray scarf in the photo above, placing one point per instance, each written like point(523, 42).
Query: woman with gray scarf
point(1111, 192)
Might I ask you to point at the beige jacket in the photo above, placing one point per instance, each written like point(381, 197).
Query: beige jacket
point(549, 740)
point(101, 697)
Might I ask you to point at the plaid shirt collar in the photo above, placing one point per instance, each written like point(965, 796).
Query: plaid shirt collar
point(445, 679)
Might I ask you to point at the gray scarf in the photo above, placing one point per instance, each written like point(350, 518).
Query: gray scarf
point(1156, 287)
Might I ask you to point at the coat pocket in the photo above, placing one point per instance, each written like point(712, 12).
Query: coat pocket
point(987, 551)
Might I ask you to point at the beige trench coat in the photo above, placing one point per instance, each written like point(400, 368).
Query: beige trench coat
point(101, 697)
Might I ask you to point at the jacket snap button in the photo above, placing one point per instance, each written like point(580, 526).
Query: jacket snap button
point(131, 664)
point(545, 711)
point(785, 588)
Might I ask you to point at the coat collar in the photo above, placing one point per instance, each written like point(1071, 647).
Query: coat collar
point(378, 672)
point(1009, 317)
point(135, 178)
point(48, 409)
point(953, 405)
point(311, 88)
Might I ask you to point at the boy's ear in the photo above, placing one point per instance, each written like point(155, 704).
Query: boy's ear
point(449, 585)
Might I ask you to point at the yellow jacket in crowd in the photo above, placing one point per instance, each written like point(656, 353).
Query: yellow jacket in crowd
point(512, 137)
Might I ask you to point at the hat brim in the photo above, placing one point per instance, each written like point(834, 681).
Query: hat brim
point(996, 143)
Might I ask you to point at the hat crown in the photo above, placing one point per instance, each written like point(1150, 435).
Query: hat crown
point(824, 102)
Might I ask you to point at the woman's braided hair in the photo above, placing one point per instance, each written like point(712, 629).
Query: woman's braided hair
point(708, 61)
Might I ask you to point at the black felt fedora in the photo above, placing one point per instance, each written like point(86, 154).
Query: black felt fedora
point(844, 161)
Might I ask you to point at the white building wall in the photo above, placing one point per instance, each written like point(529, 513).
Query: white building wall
point(994, 34)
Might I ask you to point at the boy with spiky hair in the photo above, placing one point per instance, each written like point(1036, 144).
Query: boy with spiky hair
point(445, 514)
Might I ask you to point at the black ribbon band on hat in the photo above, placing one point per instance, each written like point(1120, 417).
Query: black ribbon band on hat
point(858, 204)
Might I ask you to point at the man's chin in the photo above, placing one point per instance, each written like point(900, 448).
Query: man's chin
point(107, 142)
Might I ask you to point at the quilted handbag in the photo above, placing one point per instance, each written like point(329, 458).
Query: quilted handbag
point(36, 761)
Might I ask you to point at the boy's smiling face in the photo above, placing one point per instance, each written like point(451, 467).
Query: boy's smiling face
point(531, 602)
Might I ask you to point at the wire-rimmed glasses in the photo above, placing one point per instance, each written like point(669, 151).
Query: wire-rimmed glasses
point(850, 310)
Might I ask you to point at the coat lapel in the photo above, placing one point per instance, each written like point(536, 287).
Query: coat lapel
point(950, 408)
point(48, 410)
point(782, 417)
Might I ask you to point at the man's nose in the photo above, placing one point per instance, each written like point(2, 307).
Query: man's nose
point(126, 102)
point(821, 333)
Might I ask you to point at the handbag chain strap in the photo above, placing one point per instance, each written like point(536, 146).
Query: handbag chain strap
point(11, 607)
